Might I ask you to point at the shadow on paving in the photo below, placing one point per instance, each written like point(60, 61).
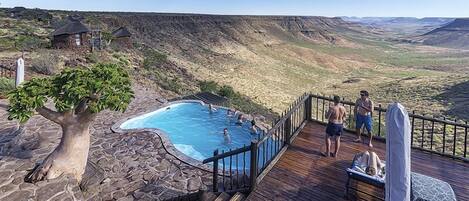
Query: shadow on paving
point(457, 97)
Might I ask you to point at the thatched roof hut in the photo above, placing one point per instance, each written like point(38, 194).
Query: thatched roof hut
point(121, 38)
point(72, 35)
point(121, 32)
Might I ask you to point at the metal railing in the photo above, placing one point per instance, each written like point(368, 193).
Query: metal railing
point(441, 136)
point(261, 154)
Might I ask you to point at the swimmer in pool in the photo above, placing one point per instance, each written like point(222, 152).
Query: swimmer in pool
point(240, 120)
point(226, 135)
point(211, 108)
point(253, 127)
point(231, 112)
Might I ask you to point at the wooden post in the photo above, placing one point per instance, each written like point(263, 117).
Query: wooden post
point(215, 172)
point(254, 163)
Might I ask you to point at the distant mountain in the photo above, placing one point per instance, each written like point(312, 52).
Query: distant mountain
point(454, 35)
point(407, 26)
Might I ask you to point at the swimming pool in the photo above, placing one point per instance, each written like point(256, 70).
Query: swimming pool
point(194, 130)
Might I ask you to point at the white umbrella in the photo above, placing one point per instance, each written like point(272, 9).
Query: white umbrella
point(19, 71)
point(397, 153)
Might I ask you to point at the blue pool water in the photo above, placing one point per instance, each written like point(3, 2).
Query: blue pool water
point(195, 131)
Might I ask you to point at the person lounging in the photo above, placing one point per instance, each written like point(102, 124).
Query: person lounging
point(369, 163)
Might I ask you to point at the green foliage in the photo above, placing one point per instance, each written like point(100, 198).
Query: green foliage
point(46, 64)
point(236, 99)
point(103, 86)
point(92, 57)
point(6, 85)
point(226, 91)
point(27, 42)
point(106, 36)
point(153, 58)
point(208, 86)
point(7, 43)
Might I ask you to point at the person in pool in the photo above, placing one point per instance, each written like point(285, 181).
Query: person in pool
point(253, 126)
point(211, 108)
point(226, 136)
point(231, 112)
point(240, 120)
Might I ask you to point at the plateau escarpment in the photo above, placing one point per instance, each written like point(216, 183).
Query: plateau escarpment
point(454, 35)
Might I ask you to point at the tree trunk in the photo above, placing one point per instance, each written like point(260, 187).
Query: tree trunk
point(69, 157)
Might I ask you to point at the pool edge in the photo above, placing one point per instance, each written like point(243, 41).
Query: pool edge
point(167, 144)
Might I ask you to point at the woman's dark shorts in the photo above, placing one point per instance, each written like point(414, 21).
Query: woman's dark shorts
point(333, 129)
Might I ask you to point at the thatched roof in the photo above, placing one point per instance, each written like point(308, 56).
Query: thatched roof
point(121, 32)
point(73, 27)
point(17, 9)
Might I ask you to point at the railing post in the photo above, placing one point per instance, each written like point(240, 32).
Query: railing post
point(287, 128)
point(254, 164)
point(379, 119)
point(444, 135)
point(309, 107)
point(412, 129)
point(465, 140)
point(215, 172)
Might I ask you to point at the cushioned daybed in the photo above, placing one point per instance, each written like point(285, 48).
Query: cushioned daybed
point(423, 188)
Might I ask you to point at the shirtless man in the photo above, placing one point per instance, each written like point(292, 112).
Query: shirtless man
point(363, 109)
point(336, 116)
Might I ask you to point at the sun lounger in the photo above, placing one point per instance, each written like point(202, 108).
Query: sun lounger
point(422, 187)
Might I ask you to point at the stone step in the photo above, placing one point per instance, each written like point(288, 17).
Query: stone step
point(238, 197)
point(208, 196)
point(223, 197)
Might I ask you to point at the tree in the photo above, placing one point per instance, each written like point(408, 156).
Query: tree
point(78, 94)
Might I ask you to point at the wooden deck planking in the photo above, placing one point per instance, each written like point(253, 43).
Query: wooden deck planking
point(303, 174)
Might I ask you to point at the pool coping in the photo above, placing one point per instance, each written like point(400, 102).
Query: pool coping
point(167, 144)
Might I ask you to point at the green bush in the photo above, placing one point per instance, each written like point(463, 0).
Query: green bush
point(226, 91)
point(26, 42)
point(92, 58)
point(6, 85)
point(153, 58)
point(46, 64)
point(208, 86)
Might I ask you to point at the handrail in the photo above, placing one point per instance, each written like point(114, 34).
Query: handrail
point(226, 154)
point(385, 110)
point(422, 128)
point(264, 152)
point(267, 150)
point(283, 119)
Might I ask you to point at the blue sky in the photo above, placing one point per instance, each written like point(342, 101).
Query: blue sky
point(392, 8)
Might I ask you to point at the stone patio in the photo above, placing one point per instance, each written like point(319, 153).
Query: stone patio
point(124, 166)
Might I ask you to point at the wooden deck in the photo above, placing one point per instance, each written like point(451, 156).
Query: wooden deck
point(303, 174)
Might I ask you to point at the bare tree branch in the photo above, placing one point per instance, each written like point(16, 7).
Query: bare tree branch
point(54, 116)
point(81, 106)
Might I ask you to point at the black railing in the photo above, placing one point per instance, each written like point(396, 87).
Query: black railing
point(261, 154)
point(441, 136)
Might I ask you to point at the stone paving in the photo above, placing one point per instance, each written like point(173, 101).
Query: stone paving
point(122, 166)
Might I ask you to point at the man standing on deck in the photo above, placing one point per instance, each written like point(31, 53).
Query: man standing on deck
point(336, 118)
point(363, 109)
